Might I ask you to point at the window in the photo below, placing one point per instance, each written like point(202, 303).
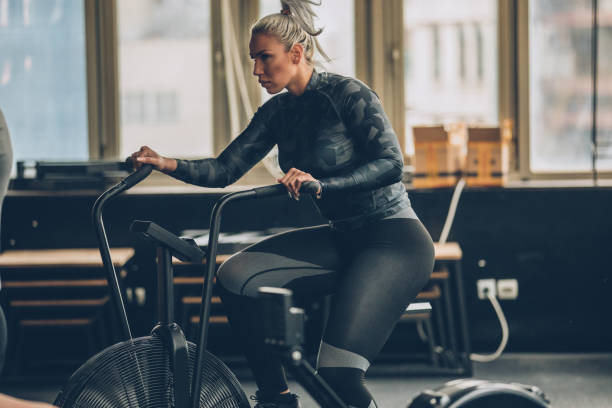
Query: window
point(560, 85)
point(338, 38)
point(452, 50)
point(604, 89)
point(43, 84)
point(165, 76)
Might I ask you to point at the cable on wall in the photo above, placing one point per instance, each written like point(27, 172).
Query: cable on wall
point(486, 358)
point(450, 217)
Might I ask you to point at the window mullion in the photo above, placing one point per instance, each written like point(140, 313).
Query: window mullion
point(91, 41)
point(245, 13)
point(507, 72)
point(102, 78)
point(220, 114)
point(379, 48)
point(522, 24)
point(249, 11)
point(393, 34)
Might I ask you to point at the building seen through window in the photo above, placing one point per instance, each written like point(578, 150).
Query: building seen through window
point(165, 76)
point(450, 63)
point(561, 85)
point(43, 83)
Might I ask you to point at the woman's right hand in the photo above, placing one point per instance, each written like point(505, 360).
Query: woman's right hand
point(146, 155)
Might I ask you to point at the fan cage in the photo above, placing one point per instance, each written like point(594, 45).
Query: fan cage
point(138, 373)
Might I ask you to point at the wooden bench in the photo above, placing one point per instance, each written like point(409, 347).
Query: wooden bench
point(49, 291)
point(448, 258)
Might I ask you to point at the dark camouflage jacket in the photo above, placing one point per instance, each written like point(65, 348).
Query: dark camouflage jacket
point(338, 132)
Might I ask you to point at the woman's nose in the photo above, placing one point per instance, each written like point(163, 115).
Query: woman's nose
point(257, 68)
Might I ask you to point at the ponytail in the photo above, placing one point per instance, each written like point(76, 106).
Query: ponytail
point(294, 25)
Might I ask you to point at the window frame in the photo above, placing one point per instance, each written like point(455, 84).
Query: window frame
point(523, 108)
point(506, 67)
point(381, 67)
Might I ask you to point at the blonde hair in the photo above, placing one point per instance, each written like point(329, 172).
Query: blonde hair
point(293, 25)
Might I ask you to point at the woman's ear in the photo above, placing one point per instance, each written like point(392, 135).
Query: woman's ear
point(296, 53)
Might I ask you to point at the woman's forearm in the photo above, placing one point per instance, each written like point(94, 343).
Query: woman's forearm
point(169, 165)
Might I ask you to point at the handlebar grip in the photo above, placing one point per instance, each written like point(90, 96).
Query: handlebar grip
point(309, 187)
point(137, 176)
point(270, 191)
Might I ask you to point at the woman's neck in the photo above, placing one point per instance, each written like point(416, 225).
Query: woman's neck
point(298, 84)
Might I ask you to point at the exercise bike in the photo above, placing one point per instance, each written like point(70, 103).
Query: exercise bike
point(162, 369)
point(165, 370)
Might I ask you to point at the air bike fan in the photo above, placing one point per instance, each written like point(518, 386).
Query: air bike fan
point(154, 371)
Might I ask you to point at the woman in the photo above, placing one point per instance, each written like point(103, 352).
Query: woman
point(6, 164)
point(6, 401)
point(374, 256)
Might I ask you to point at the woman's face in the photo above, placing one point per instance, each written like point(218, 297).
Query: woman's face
point(274, 67)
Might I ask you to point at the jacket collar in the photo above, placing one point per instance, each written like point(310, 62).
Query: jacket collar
point(313, 83)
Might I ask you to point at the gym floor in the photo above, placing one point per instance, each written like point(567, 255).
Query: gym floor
point(569, 381)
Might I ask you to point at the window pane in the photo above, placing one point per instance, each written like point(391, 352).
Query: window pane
point(560, 85)
point(604, 88)
point(43, 85)
point(450, 63)
point(337, 18)
point(165, 76)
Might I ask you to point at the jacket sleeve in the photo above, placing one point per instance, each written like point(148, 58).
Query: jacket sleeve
point(237, 158)
point(375, 140)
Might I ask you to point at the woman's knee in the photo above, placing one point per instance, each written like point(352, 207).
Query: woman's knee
point(230, 275)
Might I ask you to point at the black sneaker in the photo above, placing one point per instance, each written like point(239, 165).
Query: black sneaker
point(279, 401)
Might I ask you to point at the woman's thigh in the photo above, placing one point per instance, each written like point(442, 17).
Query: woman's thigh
point(381, 279)
point(305, 260)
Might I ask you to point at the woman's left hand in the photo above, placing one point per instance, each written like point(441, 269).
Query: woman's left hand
point(293, 181)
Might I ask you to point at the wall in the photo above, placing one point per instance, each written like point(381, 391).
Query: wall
point(556, 242)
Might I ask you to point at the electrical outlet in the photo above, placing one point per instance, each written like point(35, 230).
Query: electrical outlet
point(507, 288)
point(485, 285)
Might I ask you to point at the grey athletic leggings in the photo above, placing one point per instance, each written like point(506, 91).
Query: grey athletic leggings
point(373, 274)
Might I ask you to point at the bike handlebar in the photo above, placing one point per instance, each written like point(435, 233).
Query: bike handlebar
point(308, 187)
point(113, 281)
point(137, 176)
